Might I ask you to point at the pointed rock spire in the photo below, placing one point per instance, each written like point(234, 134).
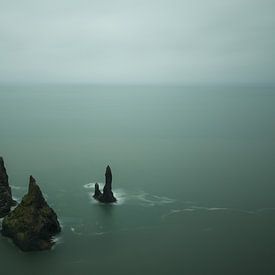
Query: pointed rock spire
point(4, 179)
point(6, 200)
point(108, 180)
point(34, 196)
point(107, 195)
point(32, 224)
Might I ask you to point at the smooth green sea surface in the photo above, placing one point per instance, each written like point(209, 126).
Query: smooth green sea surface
point(193, 171)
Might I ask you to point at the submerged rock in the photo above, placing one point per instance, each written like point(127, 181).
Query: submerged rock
point(32, 224)
point(6, 200)
point(107, 195)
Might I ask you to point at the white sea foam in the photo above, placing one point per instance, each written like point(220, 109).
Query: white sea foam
point(140, 197)
point(194, 208)
point(145, 199)
point(209, 208)
point(16, 199)
point(89, 185)
point(224, 209)
point(74, 224)
point(175, 211)
point(154, 200)
point(118, 193)
point(57, 240)
point(61, 223)
point(101, 233)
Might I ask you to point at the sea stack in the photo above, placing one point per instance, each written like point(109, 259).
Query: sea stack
point(32, 224)
point(6, 200)
point(107, 196)
point(97, 193)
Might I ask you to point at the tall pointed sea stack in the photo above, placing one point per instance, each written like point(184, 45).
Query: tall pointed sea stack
point(32, 224)
point(107, 195)
point(6, 200)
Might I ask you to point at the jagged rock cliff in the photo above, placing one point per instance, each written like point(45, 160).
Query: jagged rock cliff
point(107, 195)
point(32, 224)
point(6, 200)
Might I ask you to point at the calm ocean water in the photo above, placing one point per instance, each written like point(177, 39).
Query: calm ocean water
point(193, 168)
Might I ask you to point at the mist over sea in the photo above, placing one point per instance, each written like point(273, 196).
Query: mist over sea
point(193, 171)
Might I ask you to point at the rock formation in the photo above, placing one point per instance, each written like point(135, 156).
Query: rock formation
point(6, 200)
point(97, 193)
point(107, 195)
point(32, 224)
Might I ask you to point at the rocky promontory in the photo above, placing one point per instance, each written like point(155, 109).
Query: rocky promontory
point(6, 200)
point(107, 196)
point(32, 224)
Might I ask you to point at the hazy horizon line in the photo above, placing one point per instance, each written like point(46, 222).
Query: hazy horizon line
point(143, 84)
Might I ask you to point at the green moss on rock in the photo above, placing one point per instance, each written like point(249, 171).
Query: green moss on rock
point(32, 224)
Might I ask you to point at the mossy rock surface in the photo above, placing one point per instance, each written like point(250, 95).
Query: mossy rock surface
point(32, 224)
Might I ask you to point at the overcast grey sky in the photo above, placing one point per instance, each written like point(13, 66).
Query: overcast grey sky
point(137, 41)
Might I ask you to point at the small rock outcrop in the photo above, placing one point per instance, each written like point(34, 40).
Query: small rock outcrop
point(32, 224)
point(107, 196)
point(97, 193)
point(6, 200)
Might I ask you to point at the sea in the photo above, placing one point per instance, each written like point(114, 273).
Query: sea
point(193, 171)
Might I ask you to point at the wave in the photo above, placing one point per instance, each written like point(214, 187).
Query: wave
point(146, 199)
point(101, 233)
point(209, 208)
point(120, 194)
point(57, 240)
point(89, 185)
point(139, 197)
point(215, 209)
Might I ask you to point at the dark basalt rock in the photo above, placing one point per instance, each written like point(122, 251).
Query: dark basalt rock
point(97, 193)
point(32, 224)
point(6, 200)
point(107, 196)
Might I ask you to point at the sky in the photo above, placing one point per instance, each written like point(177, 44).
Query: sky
point(138, 41)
